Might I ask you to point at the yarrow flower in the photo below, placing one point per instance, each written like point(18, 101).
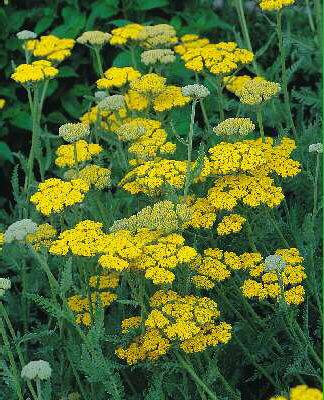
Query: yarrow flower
point(195, 91)
point(72, 132)
point(275, 5)
point(94, 38)
point(234, 126)
point(112, 103)
point(26, 35)
point(301, 392)
point(161, 35)
point(43, 236)
point(257, 91)
point(19, 230)
point(190, 41)
point(54, 195)
point(50, 47)
point(315, 148)
point(127, 34)
point(96, 176)
point(162, 56)
point(35, 72)
point(37, 370)
point(69, 155)
point(117, 77)
point(274, 263)
point(230, 224)
point(5, 284)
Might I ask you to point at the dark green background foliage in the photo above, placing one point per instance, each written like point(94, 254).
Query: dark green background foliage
point(68, 99)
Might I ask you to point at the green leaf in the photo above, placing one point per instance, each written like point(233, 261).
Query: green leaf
point(101, 10)
point(44, 23)
point(67, 72)
point(5, 152)
point(74, 23)
point(66, 278)
point(122, 59)
point(149, 4)
point(56, 117)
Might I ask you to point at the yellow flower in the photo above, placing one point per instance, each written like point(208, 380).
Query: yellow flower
point(50, 47)
point(54, 195)
point(256, 91)
point(234, 126)
point(190, 41)
point(117, 77)
point(302, 392)
point(44, 236)
point(35, 72)
point(84, 152)
point(126, 34)
point(275, 5)
point(230, 224)
point(2, 103)
point(96, 176)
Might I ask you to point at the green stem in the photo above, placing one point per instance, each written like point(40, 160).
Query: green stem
point(318, 14)
point(315, 189)
point(245, 31)
point(189, 147)
point(284, 73)
point(310, 16)
point(220, 99)
point(195, 377)
point(11, 360)
point(99, 62)
point(39, 389)
point(133, 57)
point(277, 228)
point(75, 152)
point(260, 123)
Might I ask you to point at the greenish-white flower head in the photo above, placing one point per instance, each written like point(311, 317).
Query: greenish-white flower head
point(100, 95)
point(315, 148)
point(234, 126)
point(72, 132)
point(19, 230)
point(37, 370)
point(5, 284)
point(26, 35)
point(161, 56)
point(112, 103)
point(274, 263)
point(195, 91)
point(94, 38)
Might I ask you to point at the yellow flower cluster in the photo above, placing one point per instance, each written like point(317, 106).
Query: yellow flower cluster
point(164, 216)
point(85, 306)
point(81, 149)
point(234, 126)
point(44, 236)
point(117, 77)
point(35, 72)
point(301, 392)
point(54, 195)
point(50, 47)
point(230, 224)
point(108, 281)
point(2, 103)
point(149, 139)
point(190, 41)
point(130, 323)
point(96, 176)
point(253, 191)
point(203, 214)
point(251, 155)
point(215, 265)
point(151, 89)
point(273, 5)
point(127, 34)
point(257, 91)
point(235, 84)
point(219, 59)
point(187, 320)
point(151, 176)
point(109, 121)
point(149, 251)
point(272, 283)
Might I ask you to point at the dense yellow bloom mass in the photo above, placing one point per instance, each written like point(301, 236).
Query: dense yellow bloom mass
point(231, 224)
point(272, 5)
point(54, 195)
point(109, 121)
point(96, 176)
point(219, 59)
point(269, 284)
point(126, 34)
point(187, 320)
point(250, 155)
point(149, 251)
point(150, 177)
point(256, 91)
point(44, 236)
point(164, 216)
point(81, 149)
point(215, 265)
point(50, 47)
point(117, 77)
point(190, 41)
point(108, 281)
point(130, 323)
point(235, 84)
point(35, 72)
point(203, 214)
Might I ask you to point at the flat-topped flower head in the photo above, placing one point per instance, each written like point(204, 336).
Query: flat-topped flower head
point(149, 84)
point(275, 5)
point(301, 392)
point(19, 230)
point(234, 126)
point(26, 35)
point(195, 91)
point(72, 132)
point(257, 91)
point(161, 35)
point(37, 370)
point(117, 77)
point(94, 38)
point(112, 103)
point(50, 47)
point(274, 263)
point(315, 148)
point(158, 56)
point(5, 284)
point(127, 34)
point(37, 71)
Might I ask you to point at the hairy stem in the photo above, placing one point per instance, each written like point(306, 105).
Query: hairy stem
point(189, 147)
